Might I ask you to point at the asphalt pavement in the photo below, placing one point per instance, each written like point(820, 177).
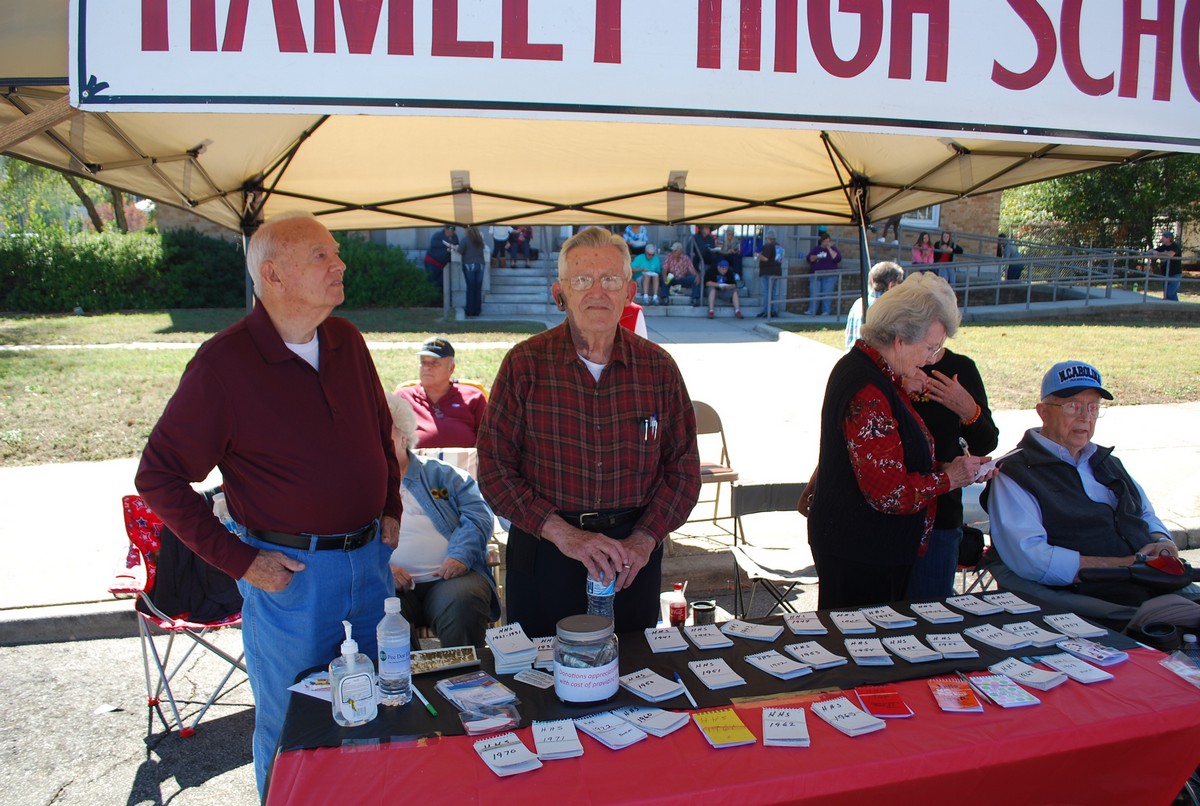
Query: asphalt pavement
point(76, 727)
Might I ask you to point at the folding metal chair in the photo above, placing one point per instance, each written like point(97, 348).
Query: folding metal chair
point(776, 570)
point(973, 564)
point(212, 605)
point(718, 471)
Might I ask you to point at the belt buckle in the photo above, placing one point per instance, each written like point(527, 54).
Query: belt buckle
point(356, 540)
point(585, 517)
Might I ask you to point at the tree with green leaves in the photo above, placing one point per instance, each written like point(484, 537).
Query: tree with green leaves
point(1121, 206)
point(36, 199)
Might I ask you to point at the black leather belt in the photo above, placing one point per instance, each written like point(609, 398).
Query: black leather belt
point(348, 541)
point(602, 520)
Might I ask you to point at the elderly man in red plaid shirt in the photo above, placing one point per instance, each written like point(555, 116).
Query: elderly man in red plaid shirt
point(588, 446)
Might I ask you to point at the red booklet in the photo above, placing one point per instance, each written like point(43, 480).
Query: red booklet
point(884, 702)
point(954, 694)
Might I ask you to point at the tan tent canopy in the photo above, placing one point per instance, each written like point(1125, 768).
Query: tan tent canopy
point(362, 171)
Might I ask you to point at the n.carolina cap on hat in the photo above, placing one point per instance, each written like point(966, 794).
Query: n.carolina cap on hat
point(1068, 378)
point(1168, 234)
point(437, 348)
point(724, 263)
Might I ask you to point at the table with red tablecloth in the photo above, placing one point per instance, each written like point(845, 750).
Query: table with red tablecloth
point(1132, 740)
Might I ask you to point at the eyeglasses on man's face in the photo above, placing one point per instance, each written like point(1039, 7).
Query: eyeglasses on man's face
point(609, 282)
point(1073, 408)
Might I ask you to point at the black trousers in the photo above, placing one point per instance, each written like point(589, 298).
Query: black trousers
point(543, 585)
point(846, 583)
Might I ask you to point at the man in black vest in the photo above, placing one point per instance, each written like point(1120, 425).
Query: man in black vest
point(1061, 503)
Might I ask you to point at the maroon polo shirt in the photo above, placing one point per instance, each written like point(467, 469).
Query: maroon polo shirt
point(299, 450)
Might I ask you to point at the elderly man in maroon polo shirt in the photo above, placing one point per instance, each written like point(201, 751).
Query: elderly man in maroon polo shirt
point(588, 446)
point(288, 405)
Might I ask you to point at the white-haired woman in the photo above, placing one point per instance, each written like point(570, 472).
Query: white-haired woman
point(877, 479)
point(440, 564)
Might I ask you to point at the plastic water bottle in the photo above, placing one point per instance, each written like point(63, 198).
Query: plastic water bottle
point(1191, 649)
point(600, 597)
point(395, 658)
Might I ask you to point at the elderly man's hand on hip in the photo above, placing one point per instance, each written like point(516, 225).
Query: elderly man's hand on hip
point(272, 571)
point(389, 531)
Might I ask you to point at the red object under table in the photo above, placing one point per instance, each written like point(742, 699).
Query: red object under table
point(1131, 740)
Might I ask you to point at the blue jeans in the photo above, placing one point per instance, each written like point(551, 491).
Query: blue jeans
point(300, 627)
point(664, 290)
point(1171, 287)
point(765, 286)
point(947, 273)
point(473, 274)
point(823, 284)
point(933, 575)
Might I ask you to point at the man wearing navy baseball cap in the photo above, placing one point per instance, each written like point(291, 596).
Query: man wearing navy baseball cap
point(1061, 503)
point(448, 411)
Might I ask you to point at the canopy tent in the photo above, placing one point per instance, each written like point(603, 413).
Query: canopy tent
point(391, 113)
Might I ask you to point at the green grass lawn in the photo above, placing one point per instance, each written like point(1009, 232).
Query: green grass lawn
point(1143, 359)
point(377, 324)
point(80, 404)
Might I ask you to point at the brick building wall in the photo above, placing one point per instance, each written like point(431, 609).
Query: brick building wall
point(175, 218)
point(978, 214)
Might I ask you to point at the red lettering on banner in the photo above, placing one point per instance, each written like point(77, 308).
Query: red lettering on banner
point(1190, 47)
point(400, 27)
point(708, 34)
point(154, 25)
point(204, 25)
point(289, 31)
point(1044, 37)
point(514, 36)
point(900, 64)
point(1135, 27)
point(787, 21)
point(445, 34)
point(1072, 12)
point(608, 32)
point(750, 36)
point(235, 26)
point(325, 37)
point(820, 31)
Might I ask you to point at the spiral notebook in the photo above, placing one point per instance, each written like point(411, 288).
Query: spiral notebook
point(557, 739)
point(723, 728)
point(506, 755)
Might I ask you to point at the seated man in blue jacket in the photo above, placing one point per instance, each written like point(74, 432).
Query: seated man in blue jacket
point(440, 563)
point(1061, 504)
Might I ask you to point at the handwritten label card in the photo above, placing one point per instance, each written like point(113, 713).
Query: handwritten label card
point(506, 755)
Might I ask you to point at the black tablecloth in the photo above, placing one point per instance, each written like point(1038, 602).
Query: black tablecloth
point(310, 724)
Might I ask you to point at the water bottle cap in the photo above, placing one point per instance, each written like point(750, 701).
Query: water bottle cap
point(1188, 638)
point(391, 604)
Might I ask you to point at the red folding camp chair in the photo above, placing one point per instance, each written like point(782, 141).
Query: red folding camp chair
point(146, 536)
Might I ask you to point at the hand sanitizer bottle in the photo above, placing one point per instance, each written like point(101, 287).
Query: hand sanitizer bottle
point(352, 685)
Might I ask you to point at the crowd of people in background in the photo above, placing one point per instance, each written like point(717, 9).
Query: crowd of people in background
point(661, 267)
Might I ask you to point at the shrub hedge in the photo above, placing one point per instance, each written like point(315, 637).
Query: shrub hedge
point(47, 273)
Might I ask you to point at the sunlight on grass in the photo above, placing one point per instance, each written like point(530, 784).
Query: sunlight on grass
point(1142, 362)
